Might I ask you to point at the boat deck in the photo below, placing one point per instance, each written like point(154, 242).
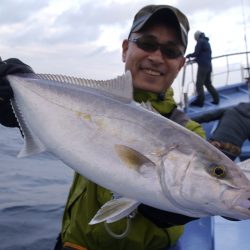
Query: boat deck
point(217, 233)
point(230, 96)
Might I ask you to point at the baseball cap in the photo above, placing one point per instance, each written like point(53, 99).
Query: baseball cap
point(145, 14)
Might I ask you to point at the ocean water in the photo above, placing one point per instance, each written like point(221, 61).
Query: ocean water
point(33, 192)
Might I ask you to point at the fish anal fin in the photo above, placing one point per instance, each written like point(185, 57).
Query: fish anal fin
point(32, 144)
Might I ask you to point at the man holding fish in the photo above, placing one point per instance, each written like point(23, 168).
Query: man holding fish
point(154, 54)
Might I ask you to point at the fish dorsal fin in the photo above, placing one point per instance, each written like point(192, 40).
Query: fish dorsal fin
point(114, 210)
point(120, 86)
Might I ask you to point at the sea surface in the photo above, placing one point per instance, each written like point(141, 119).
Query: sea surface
point(33, 192)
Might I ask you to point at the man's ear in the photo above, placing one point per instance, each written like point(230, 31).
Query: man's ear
point(182, 62)
point(124, 49)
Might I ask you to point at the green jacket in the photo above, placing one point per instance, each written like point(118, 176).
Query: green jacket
point(85, 199)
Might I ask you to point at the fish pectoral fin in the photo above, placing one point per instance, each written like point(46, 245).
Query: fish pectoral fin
point(132, 158)
point(114, 210)
point(32, 144)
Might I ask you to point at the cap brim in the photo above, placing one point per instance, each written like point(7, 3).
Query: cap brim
point(142, 21)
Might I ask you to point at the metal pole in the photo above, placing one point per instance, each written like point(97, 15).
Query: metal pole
point(182, 103)
point(245, 39)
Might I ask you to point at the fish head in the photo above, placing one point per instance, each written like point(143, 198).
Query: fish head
point(205, 182)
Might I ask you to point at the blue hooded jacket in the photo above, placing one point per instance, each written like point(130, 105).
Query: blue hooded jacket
point(202, 52)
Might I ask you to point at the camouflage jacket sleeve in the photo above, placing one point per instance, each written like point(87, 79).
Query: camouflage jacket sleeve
point(181, 118)
point(196, 128)
point(85, 199)
point(168, 108)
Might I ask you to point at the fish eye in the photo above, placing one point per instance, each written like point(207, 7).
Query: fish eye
point(218, 171)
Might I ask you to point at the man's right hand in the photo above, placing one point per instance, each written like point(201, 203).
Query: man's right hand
point(9, 67)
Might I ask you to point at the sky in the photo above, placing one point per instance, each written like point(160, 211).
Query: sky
point(83, 37)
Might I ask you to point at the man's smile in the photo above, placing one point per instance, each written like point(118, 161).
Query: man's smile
point(151, 72)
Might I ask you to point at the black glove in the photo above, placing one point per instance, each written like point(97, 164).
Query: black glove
point(163, 219)
point(8, 67)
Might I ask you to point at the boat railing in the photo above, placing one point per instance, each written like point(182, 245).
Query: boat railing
point(227, 69)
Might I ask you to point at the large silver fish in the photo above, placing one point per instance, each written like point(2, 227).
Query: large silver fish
point(97, 129)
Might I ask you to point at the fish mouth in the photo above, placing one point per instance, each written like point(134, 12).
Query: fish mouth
point(240, 205)
point(245, 203)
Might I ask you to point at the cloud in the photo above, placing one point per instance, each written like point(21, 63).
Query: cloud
point(83, 24)
point(75, 36)
point(216, 7)
point(15, 11)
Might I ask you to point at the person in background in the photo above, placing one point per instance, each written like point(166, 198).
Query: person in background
point(232, 130)
point(203, 56)
point(154, 53)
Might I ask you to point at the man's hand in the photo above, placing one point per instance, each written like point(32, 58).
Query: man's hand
point(8, 67)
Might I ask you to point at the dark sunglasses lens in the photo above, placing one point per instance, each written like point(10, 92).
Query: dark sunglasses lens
point(170, 51)
point(147, 44)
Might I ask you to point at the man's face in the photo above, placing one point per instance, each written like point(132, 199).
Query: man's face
point(151, 71)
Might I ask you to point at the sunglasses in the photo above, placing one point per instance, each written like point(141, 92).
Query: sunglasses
point(150, 44)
